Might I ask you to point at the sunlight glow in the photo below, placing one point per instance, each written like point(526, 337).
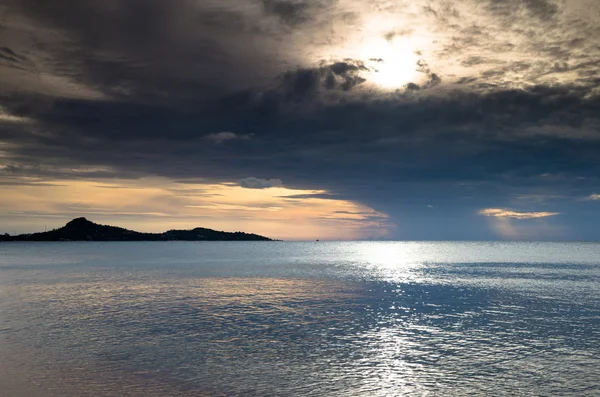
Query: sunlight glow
point(158, 204)
point(393, 62)
point(395, 261)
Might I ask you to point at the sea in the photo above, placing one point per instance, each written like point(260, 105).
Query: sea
point(281, 319)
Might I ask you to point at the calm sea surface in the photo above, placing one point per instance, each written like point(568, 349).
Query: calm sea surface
point(299, 319)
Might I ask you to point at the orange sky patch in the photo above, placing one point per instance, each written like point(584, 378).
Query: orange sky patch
point(157, 205)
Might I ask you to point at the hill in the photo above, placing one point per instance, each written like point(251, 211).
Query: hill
point(81, 229)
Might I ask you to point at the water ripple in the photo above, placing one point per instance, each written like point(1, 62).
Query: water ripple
point(197, 325)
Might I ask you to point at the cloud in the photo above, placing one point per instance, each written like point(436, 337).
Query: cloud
point(9, 118)
point(8, 56)
point(290, 12)
point(594, 197)
point(221, 137)
point(148, 99)
point(157, 204)
point(308, 83)
point(322, 196)
point(505, 213)
point(257, 183)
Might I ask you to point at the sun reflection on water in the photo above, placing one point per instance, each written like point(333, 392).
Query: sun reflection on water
point(306, 319)
point(397, 262)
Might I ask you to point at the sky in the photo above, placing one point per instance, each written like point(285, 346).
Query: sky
point(297, 119)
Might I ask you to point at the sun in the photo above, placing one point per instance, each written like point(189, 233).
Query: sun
point(393, 63)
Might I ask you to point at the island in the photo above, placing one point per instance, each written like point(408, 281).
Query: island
point(81, 229)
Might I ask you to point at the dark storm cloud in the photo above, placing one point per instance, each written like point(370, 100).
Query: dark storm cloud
point(8, 181)
point(258, 183)
point(476, 135)
point(542, 9)
point(8, 55)
point(209, 90)
point(298, 85)
point(291, 12)
point(149, 50)
point(322, 196)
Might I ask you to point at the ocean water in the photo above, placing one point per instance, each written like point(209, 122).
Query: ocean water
point(299, 319)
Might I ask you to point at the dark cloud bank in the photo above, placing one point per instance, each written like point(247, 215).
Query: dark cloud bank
point(220, 91)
